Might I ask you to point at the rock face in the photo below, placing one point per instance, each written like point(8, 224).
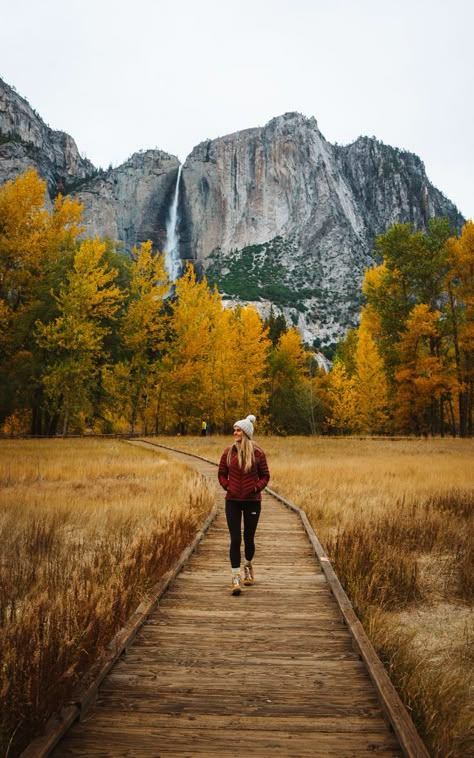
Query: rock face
point(274, 215)
point(131, 203)
point(279, 215)
point(26, 141)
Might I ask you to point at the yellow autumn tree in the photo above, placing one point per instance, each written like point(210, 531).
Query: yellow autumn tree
point(370, 383)
point(131, 382)
point(33, 239)
point(87, 302)
point(385, 311)
point(222, 366)
point(341, 399)
point(37, 245)
point(186, 376)
point(252, 346)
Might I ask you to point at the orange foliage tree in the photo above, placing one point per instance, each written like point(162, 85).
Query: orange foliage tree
point(460, 312)
point(420, 306)
point(421, 377)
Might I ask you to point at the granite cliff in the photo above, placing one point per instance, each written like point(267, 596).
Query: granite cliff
point(26, 141)
point(275, 215)
point(279, 215)
point(131, 203)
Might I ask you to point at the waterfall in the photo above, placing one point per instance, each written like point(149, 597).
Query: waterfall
point(172, 258)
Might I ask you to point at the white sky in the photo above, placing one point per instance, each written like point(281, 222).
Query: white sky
point(123, 76)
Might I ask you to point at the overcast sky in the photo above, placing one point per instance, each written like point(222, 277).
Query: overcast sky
point(123, 76)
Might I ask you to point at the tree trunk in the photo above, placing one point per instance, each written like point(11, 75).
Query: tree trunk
point(441, 416)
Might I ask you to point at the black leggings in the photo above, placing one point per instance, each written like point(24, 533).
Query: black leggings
point(251, 512)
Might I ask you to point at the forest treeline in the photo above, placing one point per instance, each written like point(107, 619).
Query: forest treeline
point(94, 340)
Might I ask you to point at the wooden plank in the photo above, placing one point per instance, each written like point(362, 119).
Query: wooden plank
point(148, 742)
point(348, 723)
point(199, 702)
point(205, 657)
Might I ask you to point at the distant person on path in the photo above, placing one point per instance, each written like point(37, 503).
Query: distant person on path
point(243, 473)
point(203, 429)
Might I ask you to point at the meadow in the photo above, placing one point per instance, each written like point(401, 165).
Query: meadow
point(87, 528)
point(396, 517)
point(89, 525)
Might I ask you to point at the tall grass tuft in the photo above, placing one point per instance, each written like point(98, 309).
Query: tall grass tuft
point(87, 528)
point(437, 691)
point(372, 570)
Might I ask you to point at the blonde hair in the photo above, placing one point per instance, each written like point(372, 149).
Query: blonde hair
point(245, 453)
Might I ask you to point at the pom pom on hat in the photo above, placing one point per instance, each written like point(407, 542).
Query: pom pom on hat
point(246, 425)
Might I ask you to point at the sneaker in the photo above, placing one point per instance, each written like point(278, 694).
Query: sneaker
point(236, 585)
point(248, 574)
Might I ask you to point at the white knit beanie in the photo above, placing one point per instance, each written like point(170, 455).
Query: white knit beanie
point(246, 425)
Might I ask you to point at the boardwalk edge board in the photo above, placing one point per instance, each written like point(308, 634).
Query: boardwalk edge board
point(392, 706)
point(57, 726)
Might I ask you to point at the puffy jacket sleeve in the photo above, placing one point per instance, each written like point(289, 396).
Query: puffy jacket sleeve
point(262, 470)
point(223, 470)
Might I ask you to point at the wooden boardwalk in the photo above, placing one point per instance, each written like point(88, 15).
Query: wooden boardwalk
point(271, 672)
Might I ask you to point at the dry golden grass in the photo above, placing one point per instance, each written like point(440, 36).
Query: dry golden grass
point(397, 519)
point(87, 527)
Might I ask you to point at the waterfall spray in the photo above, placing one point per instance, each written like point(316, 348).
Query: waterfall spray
point(172, 258)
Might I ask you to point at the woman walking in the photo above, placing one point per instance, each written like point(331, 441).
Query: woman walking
point(243, 473)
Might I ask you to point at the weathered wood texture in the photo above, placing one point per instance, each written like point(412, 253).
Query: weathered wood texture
point(270, 672)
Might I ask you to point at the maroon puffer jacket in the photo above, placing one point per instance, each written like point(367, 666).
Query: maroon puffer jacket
point(243, 485)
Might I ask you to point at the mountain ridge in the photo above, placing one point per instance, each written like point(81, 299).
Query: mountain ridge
point(274, 215)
